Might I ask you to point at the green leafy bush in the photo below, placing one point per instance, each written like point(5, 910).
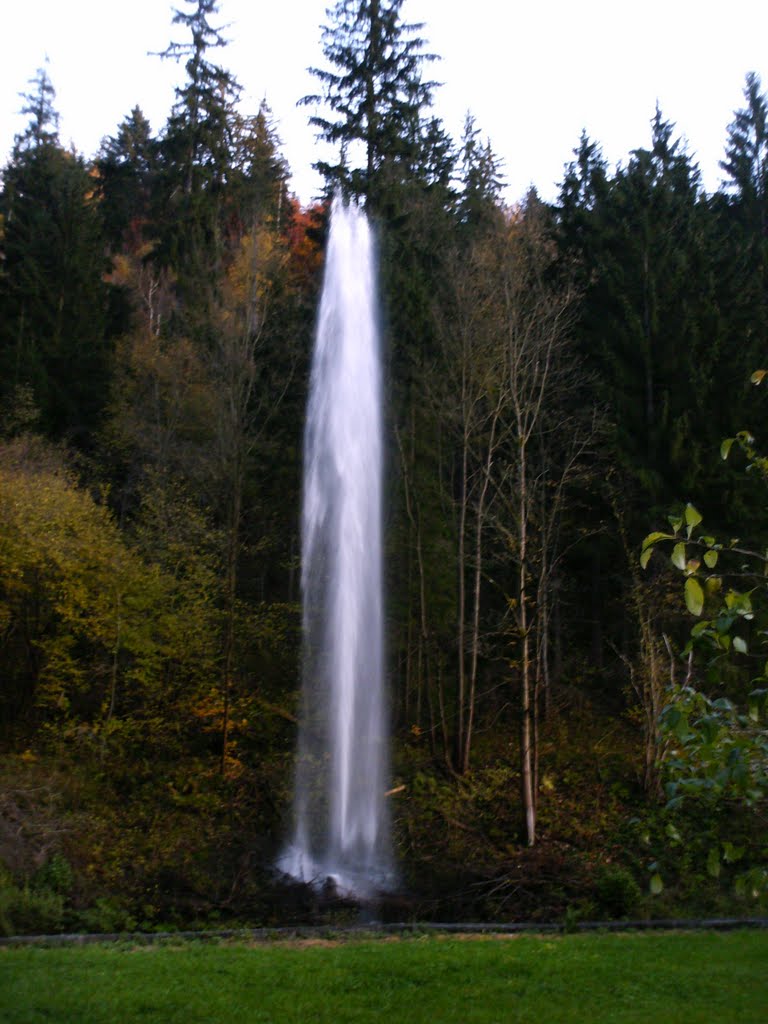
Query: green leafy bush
point(106, 915)
point(55, 876)
point(26, 912)
point(617, 893)
point(714, 727)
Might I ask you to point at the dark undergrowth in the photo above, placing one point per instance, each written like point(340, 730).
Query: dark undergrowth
point(93, 847)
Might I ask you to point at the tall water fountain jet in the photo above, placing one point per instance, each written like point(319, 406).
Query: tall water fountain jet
point(341, 828)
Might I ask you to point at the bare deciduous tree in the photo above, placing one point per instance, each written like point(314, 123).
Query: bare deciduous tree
point(547, 436)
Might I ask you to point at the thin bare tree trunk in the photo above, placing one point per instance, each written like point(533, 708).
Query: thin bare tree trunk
point(413, 518)
point(526, 725)
point(475, 648)
point(462, 603)
point(443, 716)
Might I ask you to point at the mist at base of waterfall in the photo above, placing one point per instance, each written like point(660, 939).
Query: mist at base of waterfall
point(341, 826)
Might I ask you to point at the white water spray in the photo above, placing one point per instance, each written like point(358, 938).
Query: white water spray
point(341, 824)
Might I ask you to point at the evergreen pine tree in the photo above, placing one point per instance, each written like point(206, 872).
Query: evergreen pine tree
point(481, 181)
point(127, 165)
point(258, 173)
point(375, 94)
point(646, 325)
point(197, 141)
point(43, 127)
point(52, 337)
point(743, 222)
point(746, 154)
point(195, 157)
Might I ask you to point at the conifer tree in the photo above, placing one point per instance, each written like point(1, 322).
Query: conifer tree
point(53, 334)
point(646, 331)
point(646, 322)
point(127, 166)
point(43, 127)
point(374, 91)
point(195, 156)
point(197, 138)
point(481, 180)
point(743, 224)
point(258, 172)
point(746, 154)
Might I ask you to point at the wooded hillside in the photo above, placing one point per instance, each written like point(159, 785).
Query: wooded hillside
point(560, 380)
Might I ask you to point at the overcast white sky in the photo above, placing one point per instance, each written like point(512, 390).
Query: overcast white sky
point(533, 74)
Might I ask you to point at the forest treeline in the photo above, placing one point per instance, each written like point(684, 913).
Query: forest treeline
point(560, 377)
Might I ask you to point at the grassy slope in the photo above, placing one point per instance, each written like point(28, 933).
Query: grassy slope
point(687, 978)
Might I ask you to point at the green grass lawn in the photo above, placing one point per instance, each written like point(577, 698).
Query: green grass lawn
point(688, 977)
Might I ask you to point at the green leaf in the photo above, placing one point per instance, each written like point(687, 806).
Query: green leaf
point(710, 728)
point(725, 447)
point(739, 602)
point(724, 622)
point(732, 853)
point(645, 557)
point(653, 537)
point(723, 704)
point(678, 556)
point(675, 522)
point(710, 559)
point(740, 645)
point(673, 834)
point(692, 516)
point(694, 596)
point(755, 707)
point(670, 716)
point(681, 728)
point(713, 862)
point(657, 885)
